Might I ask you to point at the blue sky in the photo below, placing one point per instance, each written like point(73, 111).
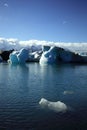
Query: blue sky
point(50, 20)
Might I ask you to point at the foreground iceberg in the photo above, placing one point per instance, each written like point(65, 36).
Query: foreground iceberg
point(19, 56)
point(55, 106)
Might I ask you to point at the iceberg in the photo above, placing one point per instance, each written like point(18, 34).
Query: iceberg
point(50, 56)
point(13, 57)
point(19, 56)
point(55, 106)
point(34, 56)
point(59, 55)
point(68, 92)
point(45, 48)
point(23, 55)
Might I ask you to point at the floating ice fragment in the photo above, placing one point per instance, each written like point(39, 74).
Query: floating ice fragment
point(68, 92)
point(55, 106)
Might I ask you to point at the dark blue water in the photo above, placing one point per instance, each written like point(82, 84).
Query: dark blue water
point(23, 86)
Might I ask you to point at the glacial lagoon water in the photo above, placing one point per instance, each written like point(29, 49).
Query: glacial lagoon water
point(23, 86)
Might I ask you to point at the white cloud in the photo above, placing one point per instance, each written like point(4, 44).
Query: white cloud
point(11, 43)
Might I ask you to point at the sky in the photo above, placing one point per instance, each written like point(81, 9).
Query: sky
point(49, 20)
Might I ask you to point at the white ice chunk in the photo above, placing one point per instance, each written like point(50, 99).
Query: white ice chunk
point(68, 92)
point(55, 106)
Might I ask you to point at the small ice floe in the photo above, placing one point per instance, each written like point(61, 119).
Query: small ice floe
point(55, 106)
point(68, 92)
